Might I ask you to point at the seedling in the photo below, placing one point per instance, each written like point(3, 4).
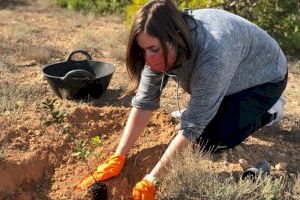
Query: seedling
point(56, 116)
point(82, 151)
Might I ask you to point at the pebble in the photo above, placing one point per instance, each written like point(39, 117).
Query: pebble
point(55, 187)
point(281, 166)
point(282, 155)
point(63, 178)
point(244, 164)
point(104, 136)
point(269, 153)
point(20, 103)
point(239, 148)
point(28, 63)
point(37, 133)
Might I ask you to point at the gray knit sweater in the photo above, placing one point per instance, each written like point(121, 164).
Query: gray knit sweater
point(230, 54)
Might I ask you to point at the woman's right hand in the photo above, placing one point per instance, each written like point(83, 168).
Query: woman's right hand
point(110, 169)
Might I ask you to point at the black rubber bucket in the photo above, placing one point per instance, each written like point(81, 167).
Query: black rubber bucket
point(79, 79)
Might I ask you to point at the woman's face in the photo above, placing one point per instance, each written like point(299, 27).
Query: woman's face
point(153, 52)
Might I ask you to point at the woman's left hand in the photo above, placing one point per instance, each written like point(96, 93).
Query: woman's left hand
point(144, 190)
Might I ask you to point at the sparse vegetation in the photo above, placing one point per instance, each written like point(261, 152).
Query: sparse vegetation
point(6, 64)
point(296, 188)
point(37, 53)
point(20, 31)
point(97, 6)
point(190, 177)
point(55, 115)
point(84, 149)
point(115, 44)
point(280, 19)
point(14, 96)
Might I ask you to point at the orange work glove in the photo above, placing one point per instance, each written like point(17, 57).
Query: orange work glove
point(144, 190)
point(105, 171)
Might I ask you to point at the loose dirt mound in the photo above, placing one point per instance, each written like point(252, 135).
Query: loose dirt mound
point(40, 155)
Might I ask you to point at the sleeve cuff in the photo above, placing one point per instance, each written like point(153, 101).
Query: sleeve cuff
point(146, 105)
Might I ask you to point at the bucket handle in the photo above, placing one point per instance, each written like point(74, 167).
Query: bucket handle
point(88, 56)
point(79, 74)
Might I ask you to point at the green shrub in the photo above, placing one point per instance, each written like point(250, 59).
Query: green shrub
point(96, 6)
point(193, 4)
point(279, 18)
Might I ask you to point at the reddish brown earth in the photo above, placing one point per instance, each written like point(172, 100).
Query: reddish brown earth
point(36, 160)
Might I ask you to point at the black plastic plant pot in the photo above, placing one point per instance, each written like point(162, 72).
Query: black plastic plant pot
point(79, 79)
point(98, 191)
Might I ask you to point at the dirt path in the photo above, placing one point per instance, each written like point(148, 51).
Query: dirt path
point(36, 160)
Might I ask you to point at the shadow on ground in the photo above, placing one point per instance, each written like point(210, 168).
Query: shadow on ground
point(113, 98)
point(12, 4)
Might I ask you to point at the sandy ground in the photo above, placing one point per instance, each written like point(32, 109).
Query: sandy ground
point(36, 160)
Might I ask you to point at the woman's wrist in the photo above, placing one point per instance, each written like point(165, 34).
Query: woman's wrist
point(152, 179)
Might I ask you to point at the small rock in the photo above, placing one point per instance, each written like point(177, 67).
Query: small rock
point(281, 166)
point(269, 153)
point(239, 148)
point(37, 132)
point(20, 103)
point(28, 63)
point(63, 178)
point(104, 136)
point(224, 156)
point(281, 136)
point(94, 125)
point(282, 155)
point(55, 187)
point(244, 164)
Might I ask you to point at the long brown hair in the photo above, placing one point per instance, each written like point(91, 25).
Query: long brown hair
point(161, 19)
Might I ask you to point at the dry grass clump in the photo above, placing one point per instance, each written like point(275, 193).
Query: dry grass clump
point(6, 57)
point(296, 188)
point(21, 31)
point(39, 54)
point(189, 178)
point(13, 96)
point(107, 42)
point(7, 64)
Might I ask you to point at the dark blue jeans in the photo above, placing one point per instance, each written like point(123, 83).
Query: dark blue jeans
point(240, 115)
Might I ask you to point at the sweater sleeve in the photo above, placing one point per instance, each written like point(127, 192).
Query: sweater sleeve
point(209, 85)
point(148, 93)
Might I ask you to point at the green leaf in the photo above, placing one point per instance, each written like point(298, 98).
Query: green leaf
point(96, 140)
point(76, 154)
